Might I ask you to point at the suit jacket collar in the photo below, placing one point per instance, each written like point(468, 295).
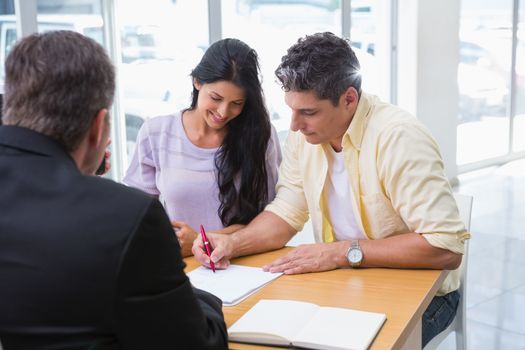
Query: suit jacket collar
point(34, 142)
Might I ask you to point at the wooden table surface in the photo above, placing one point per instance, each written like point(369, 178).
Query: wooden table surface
point(401, 294)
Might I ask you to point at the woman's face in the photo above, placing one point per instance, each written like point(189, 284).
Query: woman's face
point(219, 102)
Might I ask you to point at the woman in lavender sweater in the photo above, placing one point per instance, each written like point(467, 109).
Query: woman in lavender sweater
point(216, 162)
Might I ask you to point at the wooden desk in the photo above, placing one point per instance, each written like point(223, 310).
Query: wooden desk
point(403, 295)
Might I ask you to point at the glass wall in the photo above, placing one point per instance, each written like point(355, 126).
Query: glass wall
point(484, 79)
point(162, 41)
point(270, 27)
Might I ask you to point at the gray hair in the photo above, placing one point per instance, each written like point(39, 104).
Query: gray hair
point(323, 63)
point(55, 84)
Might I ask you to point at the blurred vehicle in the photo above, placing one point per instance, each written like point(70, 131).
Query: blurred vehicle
point(89, 25)
point(158, 83)
point(250, 5)
point(363, 41)
point(482, 84)
point(312, 18)
point(152, 87)
point(139, 42)
point(297, 16)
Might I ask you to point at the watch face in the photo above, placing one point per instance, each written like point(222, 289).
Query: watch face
point(355, 255)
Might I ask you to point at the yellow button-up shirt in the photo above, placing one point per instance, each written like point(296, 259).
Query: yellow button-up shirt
point(397, 178)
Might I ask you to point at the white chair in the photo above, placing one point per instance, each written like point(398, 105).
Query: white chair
point(458, 325)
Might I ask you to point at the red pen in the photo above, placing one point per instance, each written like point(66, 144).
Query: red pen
point(207, 246)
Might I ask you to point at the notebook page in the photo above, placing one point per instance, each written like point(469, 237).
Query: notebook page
point(338, 328)
point(232, 285)
point(270, 318)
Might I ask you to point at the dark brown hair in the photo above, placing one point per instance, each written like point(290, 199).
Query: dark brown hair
point(323, 63)
point(242, 156)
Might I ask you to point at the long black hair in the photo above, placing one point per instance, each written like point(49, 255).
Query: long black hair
point(241, 157)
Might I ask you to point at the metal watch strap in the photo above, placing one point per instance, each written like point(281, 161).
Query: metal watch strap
point(354, 244)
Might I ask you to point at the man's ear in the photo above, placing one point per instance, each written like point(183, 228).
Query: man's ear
point(96, 131)
point(351, 97)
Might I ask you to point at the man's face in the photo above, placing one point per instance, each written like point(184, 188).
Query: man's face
point(319, 120)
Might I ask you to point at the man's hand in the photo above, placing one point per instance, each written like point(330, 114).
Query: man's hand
point(222, 250)
point(107, 163)
point(185, 235)
point(310, 258)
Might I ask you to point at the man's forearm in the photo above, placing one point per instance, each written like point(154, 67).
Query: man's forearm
point(409, 250)
point(266, 232)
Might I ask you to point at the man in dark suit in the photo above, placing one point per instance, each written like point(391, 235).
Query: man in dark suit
point(85, 263)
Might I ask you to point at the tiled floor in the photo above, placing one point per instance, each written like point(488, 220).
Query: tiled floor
point(496, 265)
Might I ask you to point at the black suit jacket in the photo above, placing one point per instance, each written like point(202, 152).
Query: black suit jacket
point(86, 263)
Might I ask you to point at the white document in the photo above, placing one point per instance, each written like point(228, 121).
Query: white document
point(306, 325)
point(232, 285)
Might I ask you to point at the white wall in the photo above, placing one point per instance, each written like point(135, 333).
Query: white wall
point(428, 62)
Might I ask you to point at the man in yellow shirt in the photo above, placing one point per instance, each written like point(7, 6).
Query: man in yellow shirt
point(369, 174)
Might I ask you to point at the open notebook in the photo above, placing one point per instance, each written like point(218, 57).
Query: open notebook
point(232, 285)
point(306, 325)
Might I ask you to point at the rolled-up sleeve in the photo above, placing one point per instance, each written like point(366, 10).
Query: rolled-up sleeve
point(290, 201)
point(413, 177)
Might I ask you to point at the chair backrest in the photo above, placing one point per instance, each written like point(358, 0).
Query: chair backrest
point(464, 203)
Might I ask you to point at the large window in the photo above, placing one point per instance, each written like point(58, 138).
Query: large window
point(159, 42)
point(486, 118)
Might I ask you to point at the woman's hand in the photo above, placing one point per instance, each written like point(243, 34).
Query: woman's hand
point(185, 235)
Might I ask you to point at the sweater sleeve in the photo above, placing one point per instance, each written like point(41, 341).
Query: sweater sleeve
point(142, 170)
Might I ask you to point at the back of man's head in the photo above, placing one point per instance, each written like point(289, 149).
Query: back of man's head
point(323, 63)
point(55, 83)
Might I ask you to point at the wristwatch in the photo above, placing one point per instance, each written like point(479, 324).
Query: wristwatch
point(354, 254)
